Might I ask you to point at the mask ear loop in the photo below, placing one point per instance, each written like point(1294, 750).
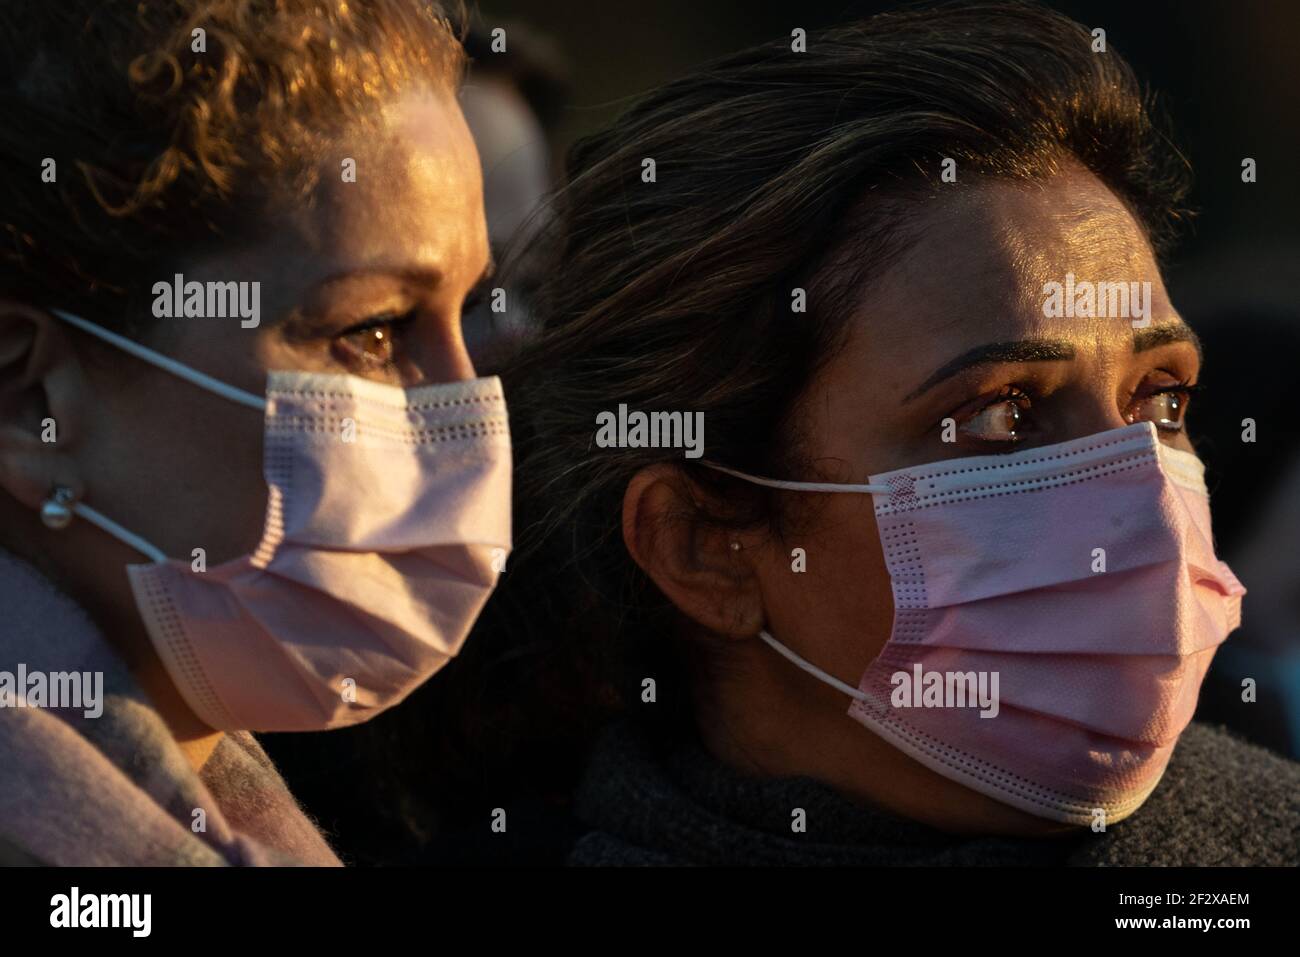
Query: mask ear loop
point(100, 520)
point(811, 668)
point(58, 509)
point(167, 364)
point(800, 486)
point(785, 652)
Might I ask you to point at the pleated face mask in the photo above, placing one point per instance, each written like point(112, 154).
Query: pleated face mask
point(1055, 612)
point(387, 523)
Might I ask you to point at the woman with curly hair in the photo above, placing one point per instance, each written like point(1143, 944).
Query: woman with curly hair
point(248, 481)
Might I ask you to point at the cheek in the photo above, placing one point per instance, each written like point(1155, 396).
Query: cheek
point(837, 613)
point(183, 469)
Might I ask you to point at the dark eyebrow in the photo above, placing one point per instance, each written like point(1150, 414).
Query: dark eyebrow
point(1162, 335)
point(1024, 350)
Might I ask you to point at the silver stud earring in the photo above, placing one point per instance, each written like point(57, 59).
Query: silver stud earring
point(735, 546)
point(56, 511)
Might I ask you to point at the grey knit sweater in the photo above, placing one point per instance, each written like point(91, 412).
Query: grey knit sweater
point(1222, 801)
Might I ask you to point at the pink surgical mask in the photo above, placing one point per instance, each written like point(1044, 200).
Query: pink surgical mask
point(1078, 583)
point(387, 524)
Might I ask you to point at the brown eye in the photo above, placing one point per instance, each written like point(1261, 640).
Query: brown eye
point(375, 344)
point(371, 344)
point(1166, 409)
point(1002, 420)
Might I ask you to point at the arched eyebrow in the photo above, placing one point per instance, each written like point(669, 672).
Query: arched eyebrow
point(1165, 333)
point(1050, 350)
point(1021, 350)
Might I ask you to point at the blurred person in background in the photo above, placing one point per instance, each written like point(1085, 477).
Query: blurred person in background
point(512, 99)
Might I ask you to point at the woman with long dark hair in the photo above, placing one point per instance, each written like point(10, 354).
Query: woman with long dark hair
point(941, 587)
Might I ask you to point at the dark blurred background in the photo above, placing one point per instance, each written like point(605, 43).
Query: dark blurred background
point(1228, 70)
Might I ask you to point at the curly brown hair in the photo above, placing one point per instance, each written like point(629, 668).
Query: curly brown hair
point(167, 141)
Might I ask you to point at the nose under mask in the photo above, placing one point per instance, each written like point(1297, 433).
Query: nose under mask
point(387, 525)
point(1078, 584)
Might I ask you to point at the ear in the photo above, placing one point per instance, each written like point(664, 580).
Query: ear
point(695, 564)
point(41, 404)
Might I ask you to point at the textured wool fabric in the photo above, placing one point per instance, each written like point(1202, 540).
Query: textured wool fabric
point(116, 789)
point(1222, 801)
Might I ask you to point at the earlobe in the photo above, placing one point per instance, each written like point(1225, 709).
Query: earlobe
point(700, 568)
point(41, 386)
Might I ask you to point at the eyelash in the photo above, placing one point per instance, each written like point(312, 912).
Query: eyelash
point(390, 321)
point(399, 319)
point(396, 321)
point(1183, 389)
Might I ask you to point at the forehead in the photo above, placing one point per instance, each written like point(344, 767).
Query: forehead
point(403, 190)
point(982, 257)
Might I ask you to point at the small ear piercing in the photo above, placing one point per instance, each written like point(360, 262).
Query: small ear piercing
point(735, 546)
point(56, 511)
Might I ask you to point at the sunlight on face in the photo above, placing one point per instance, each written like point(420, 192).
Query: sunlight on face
point(370, 278)
point(955, 333)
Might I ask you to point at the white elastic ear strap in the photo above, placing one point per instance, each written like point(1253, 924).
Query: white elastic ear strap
point(799, 486)
point(785, 652)
point(101, 520)
point(812, 669)
point(177, 369)
point(98, 518)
